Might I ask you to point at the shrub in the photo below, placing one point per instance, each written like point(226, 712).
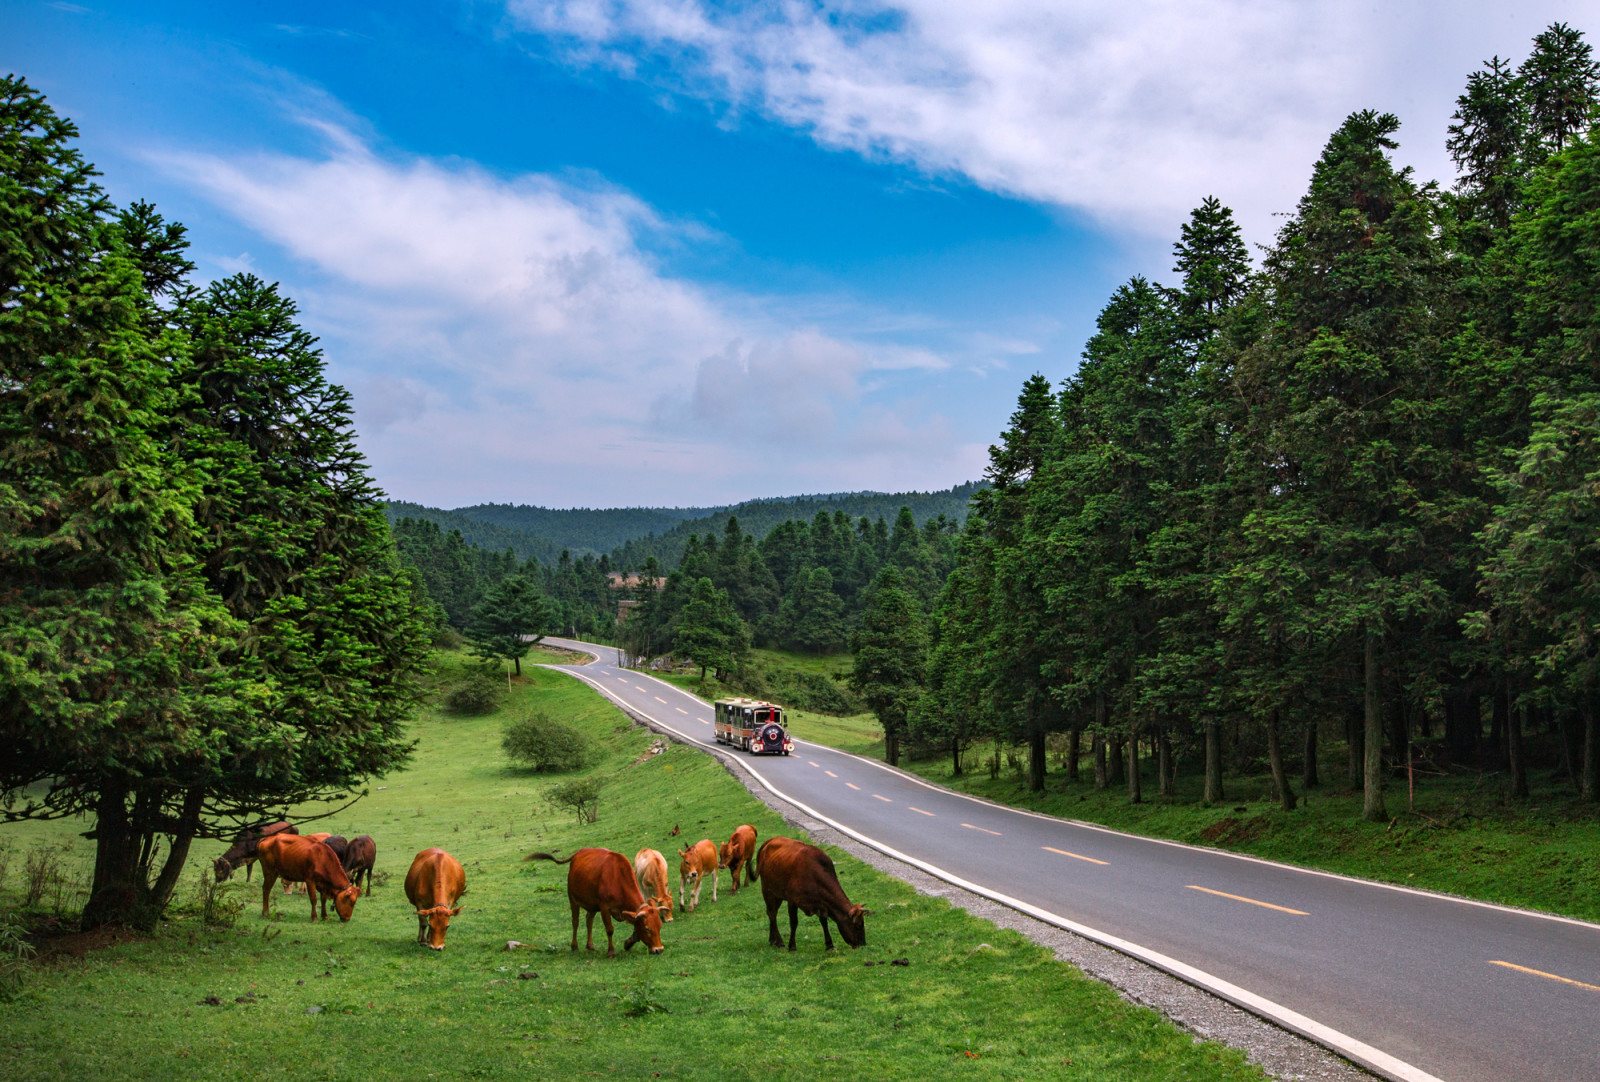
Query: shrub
point(541, 743)
point(478, 694)
point(15, 954)
point(41, 871)
point(580, 795)
point(815, 692)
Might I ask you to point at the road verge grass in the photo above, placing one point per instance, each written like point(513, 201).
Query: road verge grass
point(288, 999)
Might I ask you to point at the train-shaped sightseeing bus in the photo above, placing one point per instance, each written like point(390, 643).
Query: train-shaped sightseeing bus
point(753, 725)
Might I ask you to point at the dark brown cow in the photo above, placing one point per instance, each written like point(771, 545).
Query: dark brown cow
point(359, 857)
point(602, 881)
point(301, 860)
point(736, 851)
point(338, 844)
point(243, 849)
point(434, 884)
point(802, 875)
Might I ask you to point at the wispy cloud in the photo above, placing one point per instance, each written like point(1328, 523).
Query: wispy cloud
point(509, 336)
point(1131, 111)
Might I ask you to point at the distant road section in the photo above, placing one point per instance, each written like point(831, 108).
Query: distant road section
point(1411, 985)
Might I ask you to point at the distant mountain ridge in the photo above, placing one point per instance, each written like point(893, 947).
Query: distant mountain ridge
point(630, 534)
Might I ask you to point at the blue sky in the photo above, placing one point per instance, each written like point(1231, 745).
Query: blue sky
point(619, 252)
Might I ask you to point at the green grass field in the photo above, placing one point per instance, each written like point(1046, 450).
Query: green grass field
point(1462, 837)
point(297, 1000)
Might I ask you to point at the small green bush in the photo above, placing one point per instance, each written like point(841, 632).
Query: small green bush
point(478, 694)
point(580, 796)
point(818, 693)
point(16, 952)
point(541, 743)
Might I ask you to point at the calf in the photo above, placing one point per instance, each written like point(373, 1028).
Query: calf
point(301, 860)
point(359, 857)
point(651, 869)
point(736, 851)
point(602, 881)
point(338, 844)
point(694, 864)
point(434, 884)
point(802, 875)
point(243, 849)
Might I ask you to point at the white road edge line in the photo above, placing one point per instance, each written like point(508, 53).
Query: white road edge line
point(1362, 1053)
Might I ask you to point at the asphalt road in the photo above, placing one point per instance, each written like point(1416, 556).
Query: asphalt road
point(1412, 985)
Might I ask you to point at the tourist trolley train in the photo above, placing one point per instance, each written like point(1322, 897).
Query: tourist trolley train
point(753, 725)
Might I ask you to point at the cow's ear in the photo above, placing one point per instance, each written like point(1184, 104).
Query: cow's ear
point(456, 912)
point(863, 912)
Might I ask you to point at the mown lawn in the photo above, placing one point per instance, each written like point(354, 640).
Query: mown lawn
point(361, 1000)
point(1463, 837)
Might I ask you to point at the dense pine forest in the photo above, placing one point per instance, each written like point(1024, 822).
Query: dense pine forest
point(1348, 496)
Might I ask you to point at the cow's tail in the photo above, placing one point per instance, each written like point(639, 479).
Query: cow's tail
point(550, 857)
point(751, 870)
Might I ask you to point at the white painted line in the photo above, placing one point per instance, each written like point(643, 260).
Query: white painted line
point(919, 811)
point(831, 774)
point(659, 699)
point(681, 710)
point(1362, 1053)
point(986, 830)
point(1074, 856)
point(885, 799)
point(809, 761)
point(854, 786)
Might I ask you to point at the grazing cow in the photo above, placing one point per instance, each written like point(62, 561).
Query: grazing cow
point(602, 881)
point(802, 875)
point(694, 864)
point(301, 860)
point(736, 851)
point(338, 844)
point(243, 849)
point(651, 869)
point(434, 884)
point(359, 857)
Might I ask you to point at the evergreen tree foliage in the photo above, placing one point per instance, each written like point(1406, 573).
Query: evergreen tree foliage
point(708, 630)
point(512, 616)
point(890, 645)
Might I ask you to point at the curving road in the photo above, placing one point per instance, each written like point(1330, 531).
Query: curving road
point(1412, 985)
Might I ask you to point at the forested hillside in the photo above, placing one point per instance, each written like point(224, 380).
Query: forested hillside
point(1348, 496)
point(486, 535)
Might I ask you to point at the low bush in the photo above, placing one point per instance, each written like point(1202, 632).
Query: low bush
point(817, 693)
point(16, 952)
point(580, 796)
point(478, 694)
point(541, 743)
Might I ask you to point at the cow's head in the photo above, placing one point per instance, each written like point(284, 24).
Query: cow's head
point(345, 901)
point(438, 920)
point(688, 867)
point(646, 927)
point(854, 926)
point(221, 868)
point(665, 905)
point(724, 854)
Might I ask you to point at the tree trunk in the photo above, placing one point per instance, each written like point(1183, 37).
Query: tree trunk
point(1372, 808)
point(1497, 723)
point(1308, 763)
point(1036, 764)
point(1352, 745)
point(1074, 749)
point(955, 754)
point(1213, 794)
point(891, 746)
point(1280, 779)
point(121, 892)
point(517, 661)
point(1098, 750)
point(1115, 766)
point(1164, 762)
point(1515, 760)
point(1571, 747)
point(1589, 787)
point(1134, 795)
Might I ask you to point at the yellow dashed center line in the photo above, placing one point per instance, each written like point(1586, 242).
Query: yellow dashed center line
point(1074, 856)
point(1542, 973)
point(680, 709)
point(1252, 901)
point(885, 799)
point(986, 830)
point(830, 773)
point(854, 786)
point(660, 700)
point(813, 764)
point(919, 811)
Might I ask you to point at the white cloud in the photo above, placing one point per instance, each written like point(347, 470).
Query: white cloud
point(1131, 111)
point(513, 338)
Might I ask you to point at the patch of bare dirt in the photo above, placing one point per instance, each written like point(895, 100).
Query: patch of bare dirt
point(1232, 831)
point(57, 942)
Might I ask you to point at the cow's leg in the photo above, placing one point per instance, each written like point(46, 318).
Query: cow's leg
point(574, 925)
point(773, 938)
point(590, 944)
point(605, 915)
point(694, 899)
point(794, 922)
point(827, 940)
point(714, 873)
point(422, 929)
point(311, 893)
point(683, 891)
point(249, 866)
point(267, 879)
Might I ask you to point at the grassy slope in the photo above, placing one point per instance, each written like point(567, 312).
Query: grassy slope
point(1462, 838)
point(738, 1009)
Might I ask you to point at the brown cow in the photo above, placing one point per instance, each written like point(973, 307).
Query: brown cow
point(359, 857)
point(434, 884)
point(338, 844)
point(602, 881)
point(802, 875)
point(694, 864)
point(736, 851)
point(301, 860)
point(243, 849)
point(651, 869)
